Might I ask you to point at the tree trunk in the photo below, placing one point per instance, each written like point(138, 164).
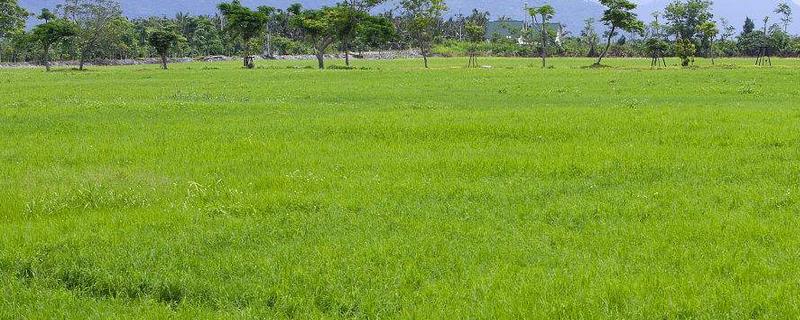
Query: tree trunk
point(608, 46)
point(321, 59)
point(712, 52)
point(346, 53)
point(425, 58)
point(47, 58)
point(81, 63)
point(544, 43)
point(269, 44)
point(164, 61)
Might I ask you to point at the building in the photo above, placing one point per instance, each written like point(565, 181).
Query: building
point(513, 30)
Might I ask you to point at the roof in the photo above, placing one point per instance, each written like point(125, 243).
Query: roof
point(507, 28)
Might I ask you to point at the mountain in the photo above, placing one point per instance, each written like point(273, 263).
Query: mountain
point(570, 12)
point(735, 11)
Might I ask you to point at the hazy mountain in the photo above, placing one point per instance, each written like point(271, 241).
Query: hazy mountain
point(570, 12)
point(735, 11)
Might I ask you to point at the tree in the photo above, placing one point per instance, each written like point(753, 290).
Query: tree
point(785, 11)
point(475, 34)
point(94, 19)
point(423, 17)
point(727, 29)
point(619, 14)
point(685, 49)
point(269, 15)
point(163, 40)
point(244, 24)
point(346, 26)
point(709, 31)
point(749, 26)
point(375, 31)
point(546, 12)
point(589, 37)
point(355, 12)
point(656, 47)
point(12, 20)
point(51, 33)
point(46, 15)
point(685, 17)
point(321, 28)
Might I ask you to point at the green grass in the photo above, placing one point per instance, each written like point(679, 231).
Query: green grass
point(210, 191)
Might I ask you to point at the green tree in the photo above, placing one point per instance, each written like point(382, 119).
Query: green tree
point(346, 27)
point(656, 48)
point(53, 32)
point(749, 26)
point(686, 17)
point(374, 32)
point(475, 33)
point(321, 28)
point(784, 10)
point(244, 24)
point(46, 15)
point(355, 12)
point(545, 12)
point(709, 32)
point(12, 21)
point(163, 40)
point(423, 16)
point(269, 15)
point(778, 41)
point(206, 39)
point(685, 49)
point(94, 19)
point(589, 37)
point(619, 15)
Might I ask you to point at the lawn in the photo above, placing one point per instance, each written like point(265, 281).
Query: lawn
point(391, 191)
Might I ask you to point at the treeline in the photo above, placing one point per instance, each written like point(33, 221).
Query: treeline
point(87, 30)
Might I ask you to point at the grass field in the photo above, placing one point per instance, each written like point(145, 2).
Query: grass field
point(209, 191)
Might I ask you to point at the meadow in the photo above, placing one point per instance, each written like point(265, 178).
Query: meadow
point(389, 191)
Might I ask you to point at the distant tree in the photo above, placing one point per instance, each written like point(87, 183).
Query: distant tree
point(269, 16)
point(709, 31)
point(727, 29)
point(244, 24)
point(355, 12)
point(346, 26)
point(321, 28)
point(749, 26)
point(654, 28)
point(12, 21)
point(46, 15)
point(475, 34)
point(750, 43)
point(163, 40)
point(778, 41)
point(53, 32)
point(206, 38)
point(656, 46)
point(374, 32)
point(685, 50)
point(619, 14)
point(477, 17)
point(686, 16)
point(785, 12)
point(545, 12)
point(423, 16)
point(589, 37)
point(94, 19)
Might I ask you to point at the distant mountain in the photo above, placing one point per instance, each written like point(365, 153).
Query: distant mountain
point(735, 11)
point(570, 12)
